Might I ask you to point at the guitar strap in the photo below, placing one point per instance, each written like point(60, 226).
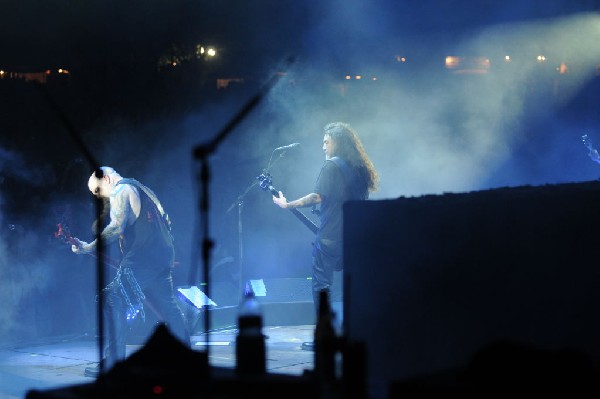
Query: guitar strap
point(152, 197)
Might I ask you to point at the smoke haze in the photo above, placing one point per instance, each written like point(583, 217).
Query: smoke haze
point(427, 129)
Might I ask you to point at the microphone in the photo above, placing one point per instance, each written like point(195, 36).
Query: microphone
point(286, 147)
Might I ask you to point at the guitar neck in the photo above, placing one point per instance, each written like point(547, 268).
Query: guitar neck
point(302, 217)
point(64, 235)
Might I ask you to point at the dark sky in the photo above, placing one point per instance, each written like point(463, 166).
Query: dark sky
point(38, 33)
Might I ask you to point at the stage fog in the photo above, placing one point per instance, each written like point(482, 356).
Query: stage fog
point(429, 128)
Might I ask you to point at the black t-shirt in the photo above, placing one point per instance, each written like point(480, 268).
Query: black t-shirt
point(334, 191)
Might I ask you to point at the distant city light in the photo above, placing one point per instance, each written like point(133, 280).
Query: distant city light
point(507, 58)
point(452, 62)
point(562, 68)
point(203, 52)
point(468, 65)
point(541, 58)
point(360, 77)
point(223, 83)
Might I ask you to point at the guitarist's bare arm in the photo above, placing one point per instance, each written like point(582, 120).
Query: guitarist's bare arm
point(124, 208)
point(308, 200)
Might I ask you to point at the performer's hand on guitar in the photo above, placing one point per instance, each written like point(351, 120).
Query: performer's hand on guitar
point(80, 247)
point(281, 201)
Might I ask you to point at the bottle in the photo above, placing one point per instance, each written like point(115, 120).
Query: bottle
point(325, 341)
point(250, 341)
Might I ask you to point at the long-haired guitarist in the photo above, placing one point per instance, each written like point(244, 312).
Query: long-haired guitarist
point(139, 223)
point(347, 174)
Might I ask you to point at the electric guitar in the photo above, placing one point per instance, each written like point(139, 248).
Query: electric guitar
point(64, 234)
point(266, 183)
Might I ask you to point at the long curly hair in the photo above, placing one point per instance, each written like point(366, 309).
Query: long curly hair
point(349, 147)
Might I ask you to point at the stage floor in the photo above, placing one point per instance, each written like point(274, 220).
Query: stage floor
point(58, 363)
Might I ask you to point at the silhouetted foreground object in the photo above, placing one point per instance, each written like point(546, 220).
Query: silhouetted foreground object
point(507, 369)
point(326, 342)
point(434, 279)
point(164, 368)
point(250, 342)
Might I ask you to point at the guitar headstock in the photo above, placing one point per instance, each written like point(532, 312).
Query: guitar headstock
point(64, 234)
point(264, 180)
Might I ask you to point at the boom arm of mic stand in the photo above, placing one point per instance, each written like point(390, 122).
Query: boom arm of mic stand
point(202, 153)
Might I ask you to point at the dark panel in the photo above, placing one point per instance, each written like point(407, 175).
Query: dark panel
point(434, 279)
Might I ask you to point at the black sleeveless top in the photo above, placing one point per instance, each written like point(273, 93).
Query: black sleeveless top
point(148, 241)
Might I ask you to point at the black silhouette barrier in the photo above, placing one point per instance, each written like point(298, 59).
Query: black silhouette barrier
point(434, 282)
point(165, 368)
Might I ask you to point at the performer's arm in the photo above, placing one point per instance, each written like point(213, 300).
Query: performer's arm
point(308, 200)
point(120, 213)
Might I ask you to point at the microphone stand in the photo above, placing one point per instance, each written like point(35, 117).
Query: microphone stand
point(100, 247)
point(201, 153)
point(240, 205)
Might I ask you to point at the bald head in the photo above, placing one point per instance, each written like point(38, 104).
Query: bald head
point(104, 186)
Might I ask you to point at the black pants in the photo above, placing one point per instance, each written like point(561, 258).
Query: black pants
point(327, 258)
point(157, 286)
